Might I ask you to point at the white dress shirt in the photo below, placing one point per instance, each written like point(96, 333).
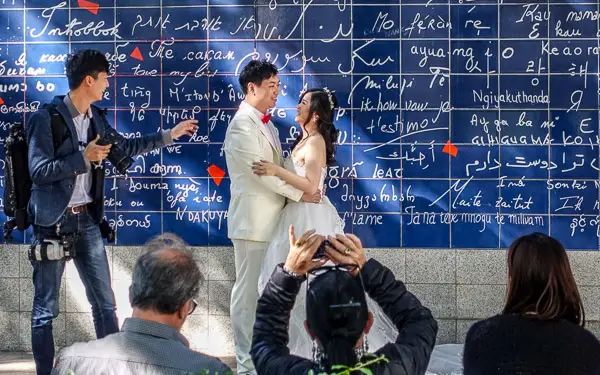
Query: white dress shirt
point(83, 183)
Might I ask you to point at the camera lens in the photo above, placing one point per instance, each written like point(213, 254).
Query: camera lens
point(123, 165)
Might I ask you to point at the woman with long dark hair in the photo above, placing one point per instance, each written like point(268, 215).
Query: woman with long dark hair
point(306, 169)
point(315, 115)
point(540, 330)
point(314, 147)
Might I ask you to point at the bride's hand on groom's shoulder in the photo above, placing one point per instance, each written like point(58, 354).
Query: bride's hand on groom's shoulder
point(300, 257)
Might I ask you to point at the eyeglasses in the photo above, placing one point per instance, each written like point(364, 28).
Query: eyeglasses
point(350, 268)
point(193, 306)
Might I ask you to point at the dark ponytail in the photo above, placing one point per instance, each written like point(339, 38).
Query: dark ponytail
point(339, 351)
point(337, 314)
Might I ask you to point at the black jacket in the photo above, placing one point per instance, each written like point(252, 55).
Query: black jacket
point(54, 171)
point(513, 345)
point(409, 355)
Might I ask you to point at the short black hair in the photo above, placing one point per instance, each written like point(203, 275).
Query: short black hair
point(256, 71)
point(165, 277)
point(82, 63)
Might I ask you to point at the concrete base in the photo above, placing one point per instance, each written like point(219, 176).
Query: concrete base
point(459, 286)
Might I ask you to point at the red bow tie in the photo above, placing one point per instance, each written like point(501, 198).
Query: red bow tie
point(265, 118)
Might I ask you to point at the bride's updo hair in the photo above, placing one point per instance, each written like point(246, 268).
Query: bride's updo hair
point(337, 314)
point(322, 103)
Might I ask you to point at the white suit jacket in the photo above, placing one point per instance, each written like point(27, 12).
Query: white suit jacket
point(256, 201)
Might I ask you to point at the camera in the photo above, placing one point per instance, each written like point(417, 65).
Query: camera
point(107, 231)
point(320, 254)
point(116, 155)
point(53, 248)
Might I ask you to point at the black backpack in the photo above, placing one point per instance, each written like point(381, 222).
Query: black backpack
point(17, 181)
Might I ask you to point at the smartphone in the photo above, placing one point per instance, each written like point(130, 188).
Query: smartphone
point(320, 254)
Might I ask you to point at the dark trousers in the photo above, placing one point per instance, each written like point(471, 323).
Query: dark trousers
point(92, 265)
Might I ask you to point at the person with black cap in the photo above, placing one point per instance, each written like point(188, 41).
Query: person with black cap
point(337, 315)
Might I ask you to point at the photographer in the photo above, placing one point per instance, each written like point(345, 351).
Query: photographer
point(67, 196)
point(337, 316)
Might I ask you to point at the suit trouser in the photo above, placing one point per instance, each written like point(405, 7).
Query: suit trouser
point(249, 257)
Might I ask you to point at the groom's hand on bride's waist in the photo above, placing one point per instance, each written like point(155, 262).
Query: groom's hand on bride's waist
point(312, 198)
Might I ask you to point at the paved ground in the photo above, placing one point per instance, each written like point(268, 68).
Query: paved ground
point(16, 363)
point(20, 363)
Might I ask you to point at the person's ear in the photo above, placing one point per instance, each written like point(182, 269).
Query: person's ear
point(182, 313)
point(369, 324)
point(310, 333)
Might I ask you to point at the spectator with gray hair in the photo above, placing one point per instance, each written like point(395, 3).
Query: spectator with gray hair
point(165, 283)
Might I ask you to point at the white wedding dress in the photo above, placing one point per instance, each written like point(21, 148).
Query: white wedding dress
point(325, 220)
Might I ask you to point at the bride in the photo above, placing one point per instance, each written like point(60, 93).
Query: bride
point(306, 169)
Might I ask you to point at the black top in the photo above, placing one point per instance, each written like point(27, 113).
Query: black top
point(409, 355)
point(512, 344)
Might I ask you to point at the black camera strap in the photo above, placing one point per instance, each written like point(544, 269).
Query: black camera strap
point(57, 124)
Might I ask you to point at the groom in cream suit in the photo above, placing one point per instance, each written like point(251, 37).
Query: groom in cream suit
point(256, 201)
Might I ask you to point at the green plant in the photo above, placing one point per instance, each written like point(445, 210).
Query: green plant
point(338, 369)
point(360, 366)
point(203, 372)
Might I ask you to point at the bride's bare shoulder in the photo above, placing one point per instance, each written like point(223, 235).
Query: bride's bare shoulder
point(316, 139)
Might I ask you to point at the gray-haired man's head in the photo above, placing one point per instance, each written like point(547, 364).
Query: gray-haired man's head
point(165, 278)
